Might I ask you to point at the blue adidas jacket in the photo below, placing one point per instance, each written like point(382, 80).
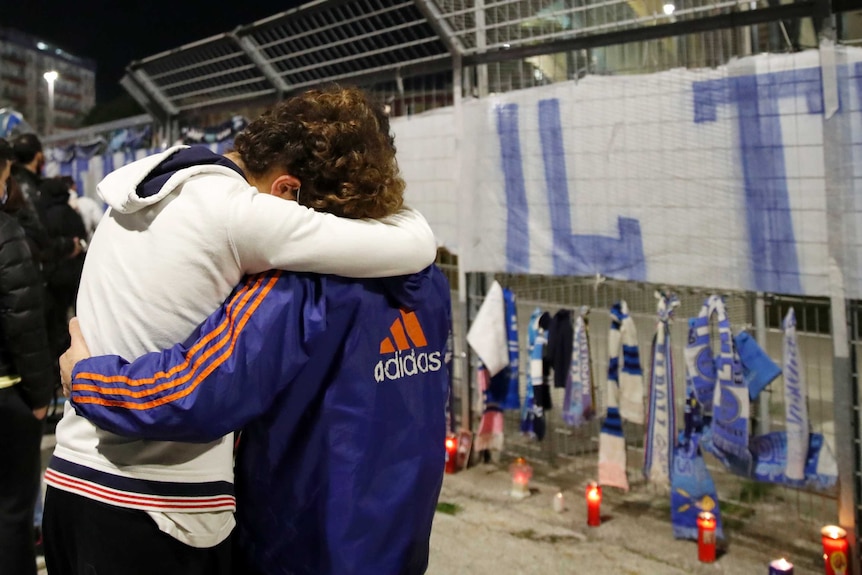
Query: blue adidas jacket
point(341, 394)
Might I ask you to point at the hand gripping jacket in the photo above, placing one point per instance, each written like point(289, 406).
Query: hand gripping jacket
point(341, 392)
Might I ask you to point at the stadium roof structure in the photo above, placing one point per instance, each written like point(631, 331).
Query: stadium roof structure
point(366, 41)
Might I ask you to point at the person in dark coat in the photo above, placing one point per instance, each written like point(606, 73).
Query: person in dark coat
point(27, 380)
point(24, 200)
point(61, 220)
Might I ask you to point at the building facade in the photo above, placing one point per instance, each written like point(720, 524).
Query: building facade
point(24, 60)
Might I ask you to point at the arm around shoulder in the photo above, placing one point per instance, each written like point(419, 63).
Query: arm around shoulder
point(268, 232)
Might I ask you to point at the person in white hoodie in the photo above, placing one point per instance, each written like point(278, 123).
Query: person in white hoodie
point(182, 229)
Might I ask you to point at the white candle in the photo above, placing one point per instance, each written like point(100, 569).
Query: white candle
point(781, 567)
point(559, 502)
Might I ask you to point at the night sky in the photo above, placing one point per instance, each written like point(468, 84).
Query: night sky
point(116, 32)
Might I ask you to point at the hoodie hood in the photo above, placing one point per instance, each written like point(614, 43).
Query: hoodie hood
point(409, 291)
point(149, 180)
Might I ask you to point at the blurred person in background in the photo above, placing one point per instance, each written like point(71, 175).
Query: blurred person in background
point(90, 210)
point(27, 380)
point(61, 220)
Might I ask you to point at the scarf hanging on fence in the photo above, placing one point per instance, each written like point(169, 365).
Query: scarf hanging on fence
point(719, 387)
point(770, 453)
point(512, 399)
point(661, 420)
point(758, 370)
point(612, 446)
point(533, 410)
point(795, 403)
point(578, 399)
point(558, 352)
point(692, 487)
point(490, 434)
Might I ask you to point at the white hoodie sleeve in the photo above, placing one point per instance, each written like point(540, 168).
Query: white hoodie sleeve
point(271, 233)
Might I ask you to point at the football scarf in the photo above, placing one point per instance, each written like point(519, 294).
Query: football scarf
point(490, 434)
point(661, 420)
point(621, 397)
point(758, 370)
point(578, 398)
point(512, 399)
point(533, 410)
point(795, 403)
point(692, 487)
point(719, 386)
point(770, 453)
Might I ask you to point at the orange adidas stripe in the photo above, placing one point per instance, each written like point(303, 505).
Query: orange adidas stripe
point(203, 375)
point(414, 329)
point(236, 302)
point(172, 383)
point(386, 346)
point(397, 331)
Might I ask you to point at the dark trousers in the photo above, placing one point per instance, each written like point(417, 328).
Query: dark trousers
point(20, 444)
point(86, 537)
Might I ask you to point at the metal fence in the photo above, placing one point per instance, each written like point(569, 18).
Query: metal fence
point(751, 509)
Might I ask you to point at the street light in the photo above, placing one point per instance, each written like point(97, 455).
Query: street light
point(50, 77)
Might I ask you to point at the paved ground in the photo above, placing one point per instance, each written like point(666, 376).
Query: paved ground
point(491, 533)
point(494, 534)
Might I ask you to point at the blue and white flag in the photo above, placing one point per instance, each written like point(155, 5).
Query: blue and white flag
point(578, 398)
point(795, 402)
point(661, 420)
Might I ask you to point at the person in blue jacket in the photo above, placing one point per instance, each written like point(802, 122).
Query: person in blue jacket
point(340, 389)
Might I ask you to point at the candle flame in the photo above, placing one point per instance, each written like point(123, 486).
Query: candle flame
point(450, 444)
point(833, 532)
point(782, 564)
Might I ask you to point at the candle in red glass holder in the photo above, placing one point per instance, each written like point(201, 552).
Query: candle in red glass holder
point(594, 504)
point(451, 453)
point(706, 537)
point(521, 473)
point(835, 547)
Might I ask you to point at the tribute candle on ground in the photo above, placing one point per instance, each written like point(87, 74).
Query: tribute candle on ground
point(521, 473)
point(781, 567)
point(835, 547)
point(706, 537)
point(451, 453)
point(594, 504)
point(559, 502)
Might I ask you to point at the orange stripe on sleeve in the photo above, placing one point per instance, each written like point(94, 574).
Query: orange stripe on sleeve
point(239, 301)
point(202, 376)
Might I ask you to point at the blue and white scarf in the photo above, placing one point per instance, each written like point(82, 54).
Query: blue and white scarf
point(770, 453)
point(758, 369)
point(661, 419)
point(578, 399)
point(532, 412)
point(625, 397)
point(719, 387)
point(512, 399)
point(795, 403)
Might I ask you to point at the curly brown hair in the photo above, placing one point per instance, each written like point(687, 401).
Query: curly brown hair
point(337, 142)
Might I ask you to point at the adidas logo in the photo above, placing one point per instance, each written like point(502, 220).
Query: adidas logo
point(403, 332)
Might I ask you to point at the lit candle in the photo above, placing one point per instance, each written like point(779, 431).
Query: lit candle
point(521, 473)
point(451, 451)
point(559, 502)
point(706, 537)
point(781, 567)
point(594, 504)
point(835, 548)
